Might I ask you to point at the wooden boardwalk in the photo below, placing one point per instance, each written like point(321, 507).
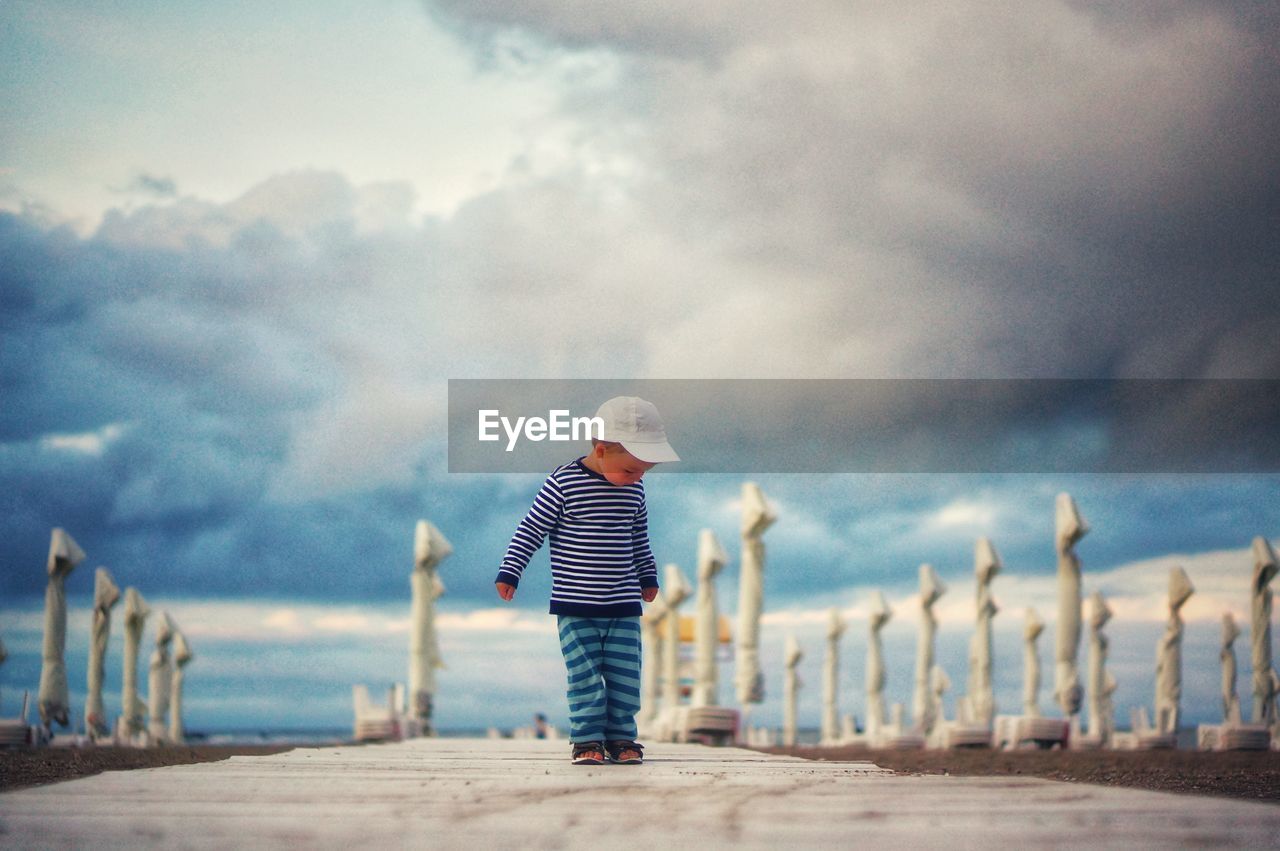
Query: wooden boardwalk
point(522, 794)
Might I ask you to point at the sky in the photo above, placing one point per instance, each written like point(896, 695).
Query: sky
point(242, 250)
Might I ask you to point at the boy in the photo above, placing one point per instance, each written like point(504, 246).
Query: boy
point(594, 510)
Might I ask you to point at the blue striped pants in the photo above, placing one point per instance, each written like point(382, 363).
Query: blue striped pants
point(602, 657)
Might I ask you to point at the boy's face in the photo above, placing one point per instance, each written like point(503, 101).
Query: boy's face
point(619, 466)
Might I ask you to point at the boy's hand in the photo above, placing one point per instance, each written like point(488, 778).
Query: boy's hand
point(505, 591)
point(649, 594)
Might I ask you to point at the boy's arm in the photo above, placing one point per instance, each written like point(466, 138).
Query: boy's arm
point(642, 556)
point(531, 532)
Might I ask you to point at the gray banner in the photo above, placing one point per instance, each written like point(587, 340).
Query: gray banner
point(749, 426)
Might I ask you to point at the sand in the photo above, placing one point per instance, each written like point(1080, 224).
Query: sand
point(1248, 776)
point(37, 766)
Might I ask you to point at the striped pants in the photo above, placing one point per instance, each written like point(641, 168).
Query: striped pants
point(602, 657)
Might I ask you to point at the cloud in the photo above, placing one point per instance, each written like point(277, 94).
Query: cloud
point(1060, 189)
point(87, 443)
point(962, 513)
point(224, 397)
point(961, 190)
point(664, 28)
point(299, 622)
point(149, 184)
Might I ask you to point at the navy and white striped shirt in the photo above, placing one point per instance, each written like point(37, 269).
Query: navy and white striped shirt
point(600, 556)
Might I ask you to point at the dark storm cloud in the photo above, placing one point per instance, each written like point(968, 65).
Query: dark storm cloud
point(149, 184)
point(846, 190)
point(153, 375)
point(238, 398)
point(890, 426)
point(1053, 189)
point(662, 28)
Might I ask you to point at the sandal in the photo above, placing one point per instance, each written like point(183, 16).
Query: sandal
point(588, 753)
point(625, 752)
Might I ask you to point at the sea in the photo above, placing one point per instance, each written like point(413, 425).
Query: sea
point(342, 735)
point(302, 737)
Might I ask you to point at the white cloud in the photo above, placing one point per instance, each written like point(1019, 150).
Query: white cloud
point(963, 513)
point(421, 113)
point(371, 435)
point(495, 620)
point(283, 621)
point(84, 443)
point(270, 622)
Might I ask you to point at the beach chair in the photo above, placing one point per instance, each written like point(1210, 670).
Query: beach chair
point(710, 725)
point(376, 723)
point(1143, 736)
point(16, 732)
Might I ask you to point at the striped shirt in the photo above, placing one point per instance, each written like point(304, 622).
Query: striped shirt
point(600, 556)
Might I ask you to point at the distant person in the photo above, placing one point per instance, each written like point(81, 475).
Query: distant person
point(601, 568)
point(539, 726)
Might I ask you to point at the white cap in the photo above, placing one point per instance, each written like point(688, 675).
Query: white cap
point(636, 424)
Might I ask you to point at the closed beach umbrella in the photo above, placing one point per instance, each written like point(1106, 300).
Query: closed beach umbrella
point(1227, 655)
point(182, 656)
point(1264, 679)
point(931, 588)
point(790, 689)
point(1101, 685)
point(1070, 528)
point(54, 703)
point(430, 547)
point(939, 685)
point(986, 564)
point(1169, 655)
point(836, 626)
point(711, 560)
point(160, 680)
point(876, 716)
point(1031, 664)
point(651, 646)
point(676, 591)
point(105, 597)
point(757, 516)
point(132, 708)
